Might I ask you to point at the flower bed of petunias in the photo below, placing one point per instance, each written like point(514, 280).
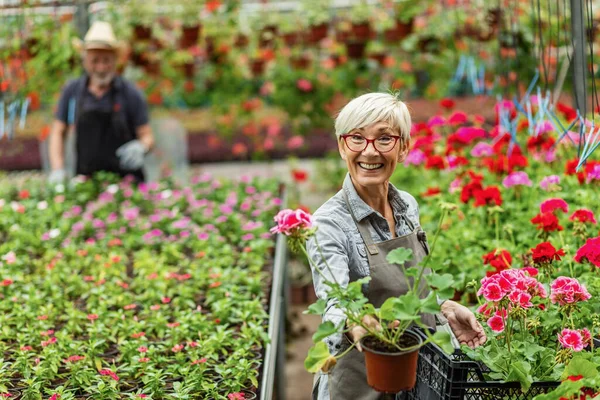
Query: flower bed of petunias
point(522, 243)
point(113, 290)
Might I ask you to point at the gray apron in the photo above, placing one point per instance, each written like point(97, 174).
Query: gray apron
point(348, 379)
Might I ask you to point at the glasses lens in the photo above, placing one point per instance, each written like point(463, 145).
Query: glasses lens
point(355, 142)
point(385, 144)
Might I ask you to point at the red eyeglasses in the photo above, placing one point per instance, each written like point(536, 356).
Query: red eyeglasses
point(359, 143)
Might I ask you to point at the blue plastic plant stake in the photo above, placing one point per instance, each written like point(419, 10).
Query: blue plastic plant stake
point(532, 84)
point(24, 107)
point(1, 119)
point(530, 118)
point(565, 133)
point(481, 79)
point(12, 115)
point(589, 147)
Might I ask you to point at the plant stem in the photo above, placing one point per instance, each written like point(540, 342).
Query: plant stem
point(310, 260)
point(437, 234)
point(346, 351)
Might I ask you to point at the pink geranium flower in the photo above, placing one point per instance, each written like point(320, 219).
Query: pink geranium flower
point(551, 205)
point(565, 290)
point(583, 215)
point(496, 323)
point(590, 251)
point(549, 182)
point(572, 339)
point(516, 178)
point(289, 222)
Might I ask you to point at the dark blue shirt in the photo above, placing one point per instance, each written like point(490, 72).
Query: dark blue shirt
point(129, 100)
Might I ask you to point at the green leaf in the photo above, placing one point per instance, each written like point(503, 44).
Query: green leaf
point(403, 308)
point(440, 282)
point(520, 371)
point(412, 271)
point(444, 340)
point(580, 366)
point(317, 308)
point(399, 255)
point(316, 358)
point(325, 329)
point(429, 305)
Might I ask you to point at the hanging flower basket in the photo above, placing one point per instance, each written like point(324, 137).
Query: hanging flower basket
point(392, 372)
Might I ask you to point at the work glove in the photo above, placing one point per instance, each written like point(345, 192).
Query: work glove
point(131, 155)
point(57, 176)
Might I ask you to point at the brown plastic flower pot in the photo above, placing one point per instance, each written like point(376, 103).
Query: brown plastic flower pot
point(356, 50)
point(361, 31)
point(391, 372)
point(317, 33)
point(189, 36)
point(141, 32)
point(291, 39)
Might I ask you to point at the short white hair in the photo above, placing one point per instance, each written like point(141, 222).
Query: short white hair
point(371, 108)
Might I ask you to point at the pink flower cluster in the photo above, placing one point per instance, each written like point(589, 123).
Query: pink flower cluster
point(575, 339)
point(514, 284)
point(109, 373)
point(565, 290)
point(290, 221)
point(551, 205)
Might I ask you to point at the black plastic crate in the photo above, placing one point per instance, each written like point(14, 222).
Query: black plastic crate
point(455, 377)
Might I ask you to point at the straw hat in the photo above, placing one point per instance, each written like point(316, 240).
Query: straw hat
point(100, 36)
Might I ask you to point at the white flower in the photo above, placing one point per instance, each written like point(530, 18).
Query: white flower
point(42, 205)
point(165, 194)
point(60, 188)
point(54, 233)
point(14, 227)
point(14, 205)
point(2, 203)
point(112, 189)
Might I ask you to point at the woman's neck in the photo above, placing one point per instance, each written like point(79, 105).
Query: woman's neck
point(376, 197)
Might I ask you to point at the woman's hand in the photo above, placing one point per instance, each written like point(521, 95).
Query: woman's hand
point(357, 332)
point(464, 325)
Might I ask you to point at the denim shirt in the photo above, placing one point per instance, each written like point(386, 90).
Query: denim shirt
point(345, 252)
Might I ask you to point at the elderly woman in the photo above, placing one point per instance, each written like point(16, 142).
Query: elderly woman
point(364, 221)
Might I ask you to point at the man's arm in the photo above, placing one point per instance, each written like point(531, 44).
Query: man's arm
point(144, 135)
point(56, 145)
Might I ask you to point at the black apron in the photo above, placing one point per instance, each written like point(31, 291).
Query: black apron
point(348, 379)
point(98, 136)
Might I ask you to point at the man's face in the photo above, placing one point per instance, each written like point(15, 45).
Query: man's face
point(100, 65)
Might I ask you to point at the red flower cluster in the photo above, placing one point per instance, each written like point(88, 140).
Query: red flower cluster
point(545, 253)
point(498, 259)
point(547, 222)
point(590, 251)
point(431, 191)
point(570, 169)
point(540, 143)
point(583, 215)
point(435, 162)
point(483, 196)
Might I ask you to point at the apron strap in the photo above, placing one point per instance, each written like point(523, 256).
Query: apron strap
point(363, 228)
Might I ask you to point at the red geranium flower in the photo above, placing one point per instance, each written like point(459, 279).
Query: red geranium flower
point(498, 259)
point(435, 162)
point(488, 196)
point(547, 222)
point(431, 191)
point(583, 215)
point(299, 175)
point(545, 253)
point(590, 251)
point(447, 103)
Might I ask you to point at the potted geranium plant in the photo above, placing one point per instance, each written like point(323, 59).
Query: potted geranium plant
point(390, 353)
point(317, 14)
